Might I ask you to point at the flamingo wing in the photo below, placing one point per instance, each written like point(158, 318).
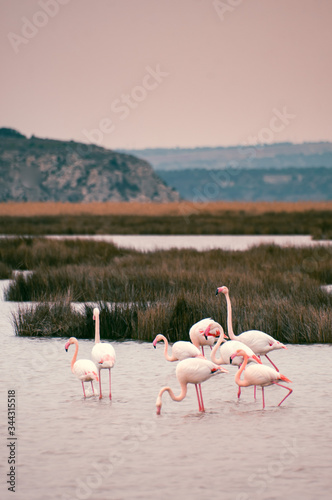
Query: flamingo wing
point(103, 355)
point(85, 370)
point(261, 375)
point(183, 350)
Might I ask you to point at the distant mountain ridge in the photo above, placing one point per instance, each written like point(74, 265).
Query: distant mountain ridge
point(280, 155)
point(38, 169)
point(272, 172)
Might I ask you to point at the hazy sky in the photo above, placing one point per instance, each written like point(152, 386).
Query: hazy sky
point(149, 73)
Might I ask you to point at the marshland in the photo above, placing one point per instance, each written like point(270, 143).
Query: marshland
point(49, 289)
point(277, 290)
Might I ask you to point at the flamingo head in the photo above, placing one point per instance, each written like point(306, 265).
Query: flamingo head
point(239, 352)
point(158, 338)
point(95, 313)
point(219, 369)
point(222, 289)
point(72, 340)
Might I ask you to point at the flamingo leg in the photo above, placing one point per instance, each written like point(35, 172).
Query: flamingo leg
point(198, 398)
point(239, 390)
point(271, 362)
point(110, 382)
point(200, 391)
point(83, 389)
point(289, 392)
point(263, 397)
point(255, 392)
point(93, 390)
point(100, 394)
point(203, 350)
point(198, 388)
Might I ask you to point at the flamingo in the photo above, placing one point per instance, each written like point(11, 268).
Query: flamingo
point(102, 354)
point(227, 350)
point(180, 350)
point(191, 371)
point(198, 336)
point(260, 342)
point(84, 369)
point(258, 375)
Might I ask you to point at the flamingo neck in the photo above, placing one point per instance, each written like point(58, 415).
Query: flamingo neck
point(97, 331)
point(217, 361)
point(238, 380)
point(169, 358)
point(73, 361)
point(229, 318)
point(180, 397)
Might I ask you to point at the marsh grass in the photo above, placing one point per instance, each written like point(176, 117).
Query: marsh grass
point(317, 223)
point(273, 289)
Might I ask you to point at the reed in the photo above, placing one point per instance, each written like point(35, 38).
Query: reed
point(273, 289)
point(317, 223)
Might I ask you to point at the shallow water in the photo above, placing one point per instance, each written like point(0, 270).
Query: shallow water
point(200, 243)
point(71, 448)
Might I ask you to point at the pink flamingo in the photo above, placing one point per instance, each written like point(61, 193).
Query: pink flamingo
point(84, 369)
point(205, 332)
point(260, 342)
point(180, 350)
point(226, 352)
point(191, 371)
point(259, 375)
point(102, 354)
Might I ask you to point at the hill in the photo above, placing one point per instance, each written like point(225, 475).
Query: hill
point(283, 172)
point(38, 169)
point(282, 155)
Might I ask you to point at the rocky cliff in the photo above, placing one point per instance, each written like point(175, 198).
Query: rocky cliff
point(50, 170)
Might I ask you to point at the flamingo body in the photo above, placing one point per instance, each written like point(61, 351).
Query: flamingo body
point(197, 333)
point(191, 371)
point(103, 354)
point(84, 369)
point(228, 348)
point(262, 375)
point(180, 350)
point(259, 375)
point(260, 342)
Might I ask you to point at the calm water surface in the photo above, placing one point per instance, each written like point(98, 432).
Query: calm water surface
point(204, 242)
point(71, 448)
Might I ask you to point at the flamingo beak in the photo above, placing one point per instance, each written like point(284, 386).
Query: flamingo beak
point(256, 358)
point(217, 291)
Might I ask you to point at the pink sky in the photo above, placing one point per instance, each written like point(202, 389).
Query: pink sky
point(166, 73)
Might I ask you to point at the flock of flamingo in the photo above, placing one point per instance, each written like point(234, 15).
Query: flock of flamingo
point(244, 351)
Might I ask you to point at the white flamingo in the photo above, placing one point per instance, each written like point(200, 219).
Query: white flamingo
point(205, 332)
point(84, 369)
point(180, 350)
point(259, 375)
point(260, 342)
point(102, 354)
point(191, 371)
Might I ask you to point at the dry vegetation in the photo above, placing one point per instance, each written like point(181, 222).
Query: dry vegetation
point(273, 289)
point(31, 209)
